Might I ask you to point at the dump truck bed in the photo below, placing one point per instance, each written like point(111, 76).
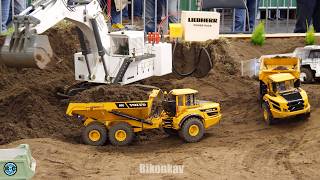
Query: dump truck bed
point(274, 65)
point(104, 110)
point(108, 110)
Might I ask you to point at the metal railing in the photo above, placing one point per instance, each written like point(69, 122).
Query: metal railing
point(275, 13)
point(277, 8)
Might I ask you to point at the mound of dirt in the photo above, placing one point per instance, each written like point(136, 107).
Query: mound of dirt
point(29, 107)
point(107, 93)
point(28, 104)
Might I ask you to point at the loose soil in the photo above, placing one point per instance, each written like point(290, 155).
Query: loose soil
point(241, 147)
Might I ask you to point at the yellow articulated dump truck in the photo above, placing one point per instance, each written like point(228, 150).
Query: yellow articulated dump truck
point(280, 92)
point(118, 122)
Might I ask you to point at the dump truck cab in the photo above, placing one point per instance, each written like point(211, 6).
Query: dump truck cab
point(280, 93)
point(182, 106)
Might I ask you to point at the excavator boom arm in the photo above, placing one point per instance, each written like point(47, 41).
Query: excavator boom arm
point(106, 57)
point(26, 48)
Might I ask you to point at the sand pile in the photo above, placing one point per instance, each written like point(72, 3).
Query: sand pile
point(28, 104)
point(110, 93)
point(29, 107)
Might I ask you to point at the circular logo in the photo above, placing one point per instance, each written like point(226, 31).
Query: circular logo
point(10, 169)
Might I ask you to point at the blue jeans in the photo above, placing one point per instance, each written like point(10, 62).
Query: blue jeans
point(150, 14)
point(240, 16)
point(19, 6)
point(308, 12)
point(5, 10)
point(173, 11)
point(138, 8)
point(116, 15)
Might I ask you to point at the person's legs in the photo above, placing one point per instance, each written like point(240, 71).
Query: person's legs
point(160, 6)
point(252, 9)
point(149, 16)
point(125, 13)
point(304, 14)
point(173, 11)
point(19, 6)
point(316, 17)
point(137, 8)
point(5, 9)
point(239, 20)
point(115, 15)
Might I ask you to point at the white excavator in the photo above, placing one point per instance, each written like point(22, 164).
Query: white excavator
point(121, 57)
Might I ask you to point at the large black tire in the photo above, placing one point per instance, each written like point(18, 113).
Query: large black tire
point(121, 134)
point(192, 130)
point(306, 116)
point(263, 91)
point(170, 131)
point(267, 115)
point(95, 134)
point(306, 75)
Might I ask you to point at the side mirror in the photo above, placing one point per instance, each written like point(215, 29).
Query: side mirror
point(274, 87)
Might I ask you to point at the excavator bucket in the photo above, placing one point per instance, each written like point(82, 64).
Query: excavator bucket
point(21, 51)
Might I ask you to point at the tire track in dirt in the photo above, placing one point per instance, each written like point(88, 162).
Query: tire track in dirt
point(284, 156)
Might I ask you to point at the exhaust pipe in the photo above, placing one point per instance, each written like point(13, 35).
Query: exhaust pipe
point(31, 51)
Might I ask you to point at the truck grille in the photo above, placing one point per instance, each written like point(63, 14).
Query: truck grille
point(292, 96)
point(212, 113)
point(296, 105)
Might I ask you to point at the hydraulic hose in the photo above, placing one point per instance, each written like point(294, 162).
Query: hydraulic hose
point(197, 64)
point(203, 49)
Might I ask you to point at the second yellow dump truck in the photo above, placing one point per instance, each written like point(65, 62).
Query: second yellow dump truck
point(280, 93)
point(118, 122)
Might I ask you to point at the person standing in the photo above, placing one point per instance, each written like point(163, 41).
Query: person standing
point(240, 16)
point(161, 4)
point(137, 12)
point(6, 11)
point(19, 6)
point(116, 7)
point(151, 13)
point(173, 11)
point(308, 12)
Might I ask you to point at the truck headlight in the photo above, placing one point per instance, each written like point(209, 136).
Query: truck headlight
point(79, 117)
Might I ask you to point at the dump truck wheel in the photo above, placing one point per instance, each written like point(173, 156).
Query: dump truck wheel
point(192, 130)
point(306, 116)
point(121, 134)
point(306, 75)
point(267, 116)
point(95, 134)
point(170, 131)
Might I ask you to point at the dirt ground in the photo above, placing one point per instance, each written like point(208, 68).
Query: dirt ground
point(240, 147)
